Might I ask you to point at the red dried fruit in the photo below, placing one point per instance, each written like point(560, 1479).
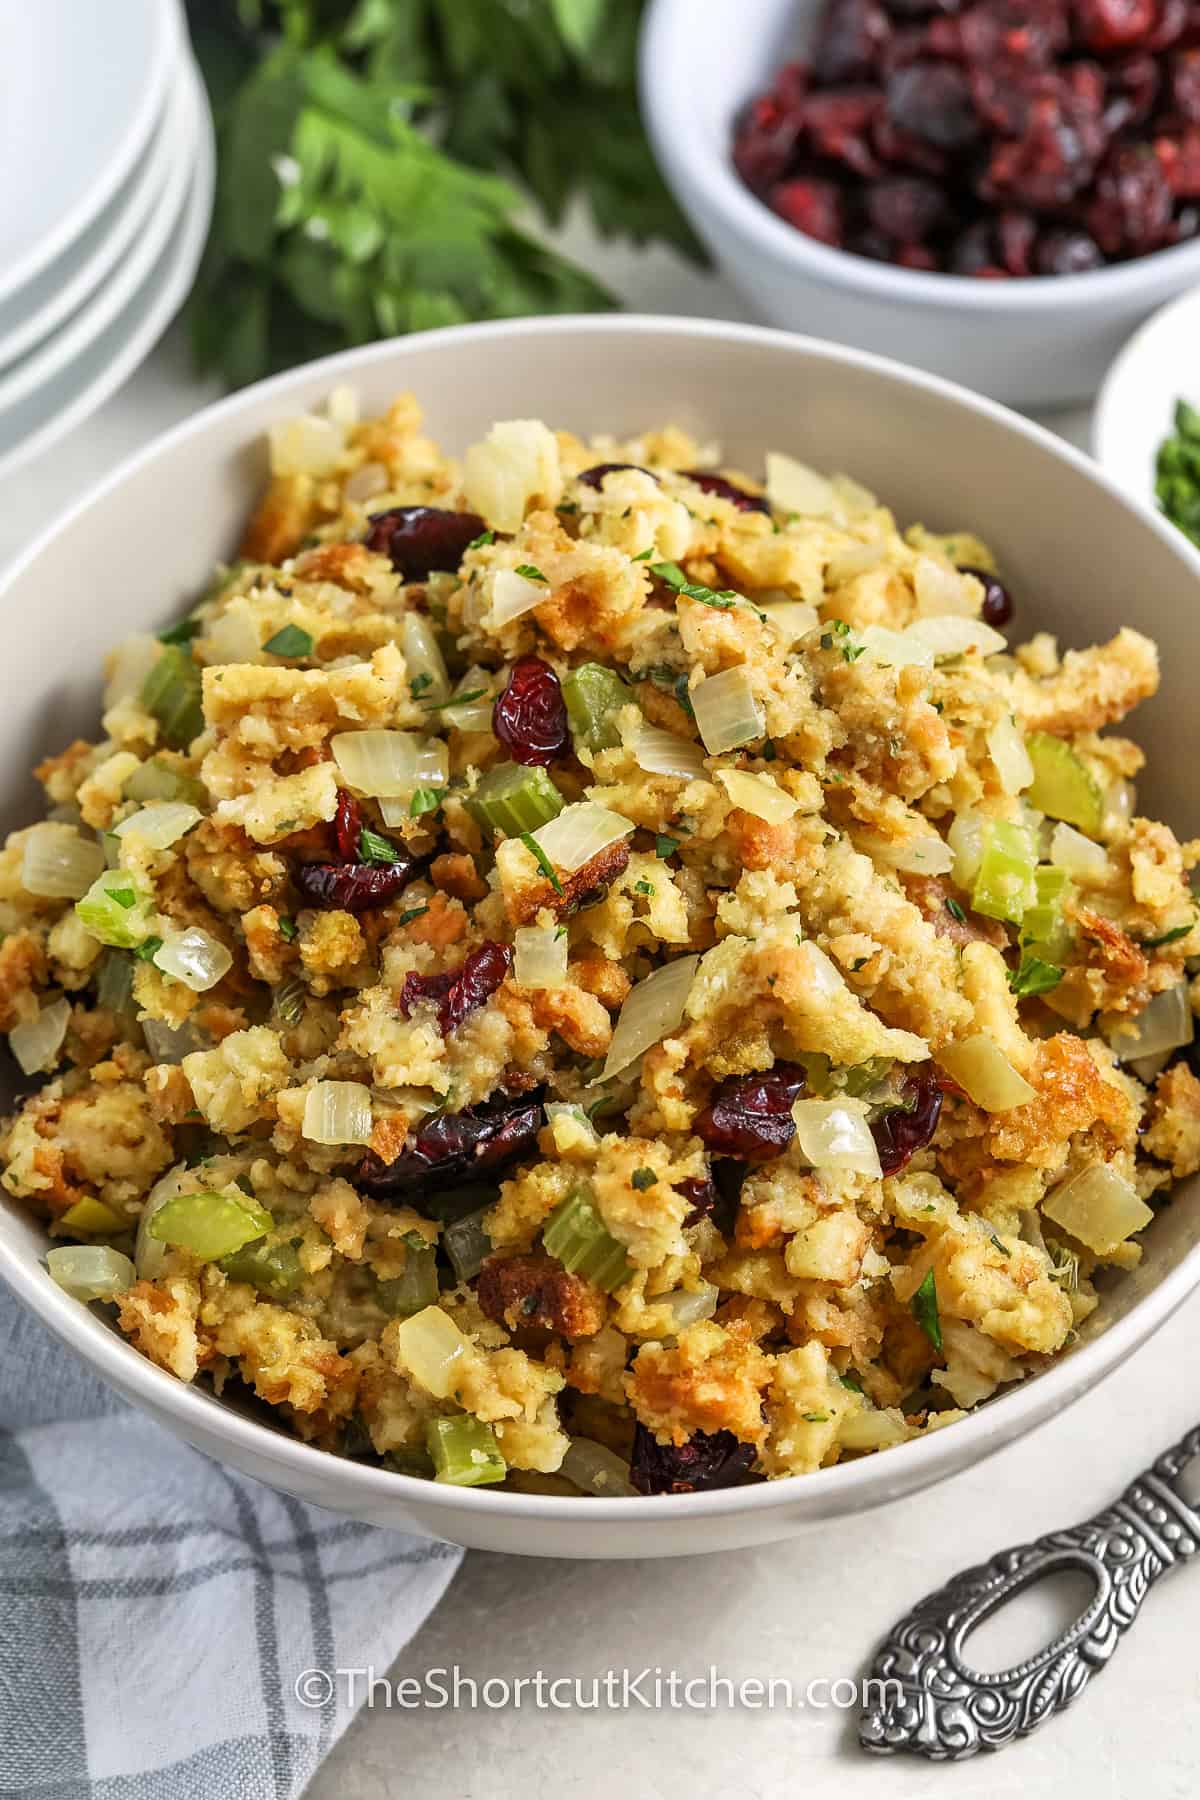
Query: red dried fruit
point(850, 38)
point(352, 887)
point(750, 1116)
point(1015, 234)
point(906, 208)
point(420, 539)
point(530, 716)
point(1183, 84)
point(708, 1460)
point(459, 991)
point(1115, 24)
point(932, 103)
point(1132, 89)
point(813, 207)
point(975, 251)
point(347, 826)
point(916, 256)
point(702, 1192)
point(838, 125)
point(712, 483)
point(903, 1130)
point(997, 608)
point(1179, 160)
point(1065, 252)
point(1130, 211)
point(594, 476)
point(451, 1147)
point(1176, 23)
point(1052, 161)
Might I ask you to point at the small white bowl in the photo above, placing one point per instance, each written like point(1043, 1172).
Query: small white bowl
point(1042, 342)
point(1135, 408)
point(1080, 559)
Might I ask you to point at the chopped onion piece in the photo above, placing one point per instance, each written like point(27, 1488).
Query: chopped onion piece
point(950, 634)
point(194, 957)
point(1120, 802)
point(985, 1074)
point(790, 619)
point(927, 855)
point(827, 977)
point(1006, 747)
point(579, 833)
point(169, 1043)
point(1082, 859)
point(541, 956)
point(793, 487)
point(848, 564)
point(689, 1305)
point(90, 1271)
point(942, 590)
point(337, 1112)
point(834, 1135)
point(474, 715)
point(966, 838)
point(234, 637)
point(430, 1346)
point(665, 753)
point(369, 479)
point(595, 1469)
point(306, 445)
point(57, 863)
point(517, 463)
point(390, 764)
point(760, 795)
point(423, 656)
point(570, 1125)
point(894, 649)
point(128, 667)
point(651, 1012)
point(873, 1430)
point(161, 825)
point(512, 595)
point(1099, 1207)
point(1164, 1024)
point(37, 1042)
point(727, 712)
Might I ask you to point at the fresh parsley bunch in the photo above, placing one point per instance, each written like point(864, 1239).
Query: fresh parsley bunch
point(376, 157)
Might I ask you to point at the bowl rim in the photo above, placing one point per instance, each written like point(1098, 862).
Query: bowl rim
point(846, 1487)
point(1108, 413)
point(688, 152)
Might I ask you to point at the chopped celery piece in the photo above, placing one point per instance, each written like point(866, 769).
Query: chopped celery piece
point(415, 1288)
point(467, 1244)
point(594, 695)
point(861, 1077)
point(514, 800)
point(171, 692)
point(1004, 885)
point(156, 780)
point(577, 1235)
point(464, 1451)
point(210, 1225)
point(114, 911)
point(1063, 785)
point(92, 1218)
point(114, 982)
point(271, 1268)
point(407, 1461)
point(1044, 928)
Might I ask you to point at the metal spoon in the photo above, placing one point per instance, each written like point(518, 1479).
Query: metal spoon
point(938, 1706)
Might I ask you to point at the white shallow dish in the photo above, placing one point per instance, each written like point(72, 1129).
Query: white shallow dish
point(73, 392)
point(29, 316)
point(1034, 342)
point(83, 86)
point(1135, 408)
point(1081, 560)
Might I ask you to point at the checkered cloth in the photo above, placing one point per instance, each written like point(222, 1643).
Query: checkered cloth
point(156, 1609)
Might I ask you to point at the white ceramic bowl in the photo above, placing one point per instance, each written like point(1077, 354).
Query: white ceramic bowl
point(1135, 408)
point(1036, 342)
point(1081, 560)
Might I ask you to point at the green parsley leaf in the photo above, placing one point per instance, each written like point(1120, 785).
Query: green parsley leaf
point(530, 573)
point(674, 577)
point(924, 1308)
point(424, 800)
point(410, 913)
point(485, 537)
point(955, 910)
point(291, 641)
point(1168, 937)
point(419, 683)
point(375, 849)
point(1000, 1245)
point(643, 555)
point(816, 1418)
point(852, 1382)
point(287, 928)
point(183, 633)
point(1033, 976)
point(148, 950)
point(665, 846)
point(542, 860)
point(644, 887)
point(643, 1178)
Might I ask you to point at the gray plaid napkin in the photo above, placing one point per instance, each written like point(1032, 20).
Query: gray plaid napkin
point(156, 1609)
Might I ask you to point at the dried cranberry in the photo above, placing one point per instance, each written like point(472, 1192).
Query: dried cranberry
point(1176, 22)
point(530, 716)
point(903, 151)
point(1053, 159)
point(813, 207)
point(1130, 210)
point(997, 608)
point(906, 207)
point(451, 1146)
point(420, 539)
point(1132, 89)
point(459, 991)
point(1065, 252)
point(708, 1460)
point(1115, 24)
point(764, 148)
point(838, 125)
point(594, 476)
point(974, 251)
point(932, 102)
point(916, 256)
point(702, 1192)
point(850, 39)
point(1183, 78)
point(347, 826)
point(352, 887)
point(903, 1130)
point(712, 483)
point(1179, 160)
point(750, 1116)
point(1015, 234)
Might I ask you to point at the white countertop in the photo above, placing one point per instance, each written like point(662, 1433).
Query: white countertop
point(812, 1607)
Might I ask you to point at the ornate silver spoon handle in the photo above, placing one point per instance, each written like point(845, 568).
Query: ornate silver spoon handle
point(936, 1705)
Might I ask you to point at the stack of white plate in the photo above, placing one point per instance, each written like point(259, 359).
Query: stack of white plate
point(107, 149)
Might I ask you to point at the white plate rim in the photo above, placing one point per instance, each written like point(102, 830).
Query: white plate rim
point(167, 52)
point(177, 277)
point(1127, 374)
point(131, 214)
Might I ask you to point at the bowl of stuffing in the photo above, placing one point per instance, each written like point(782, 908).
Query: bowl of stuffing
point(584, 967)
point(996, 192)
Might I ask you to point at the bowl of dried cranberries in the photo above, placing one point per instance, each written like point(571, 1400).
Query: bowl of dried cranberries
point(996, 190)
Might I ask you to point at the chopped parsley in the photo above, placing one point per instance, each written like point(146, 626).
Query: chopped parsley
point(859, 963)
point(840, 638)
point(1168, 937)
point(665, 846)
point(412, 912)
point(182, 633)
point(643, 1178)
point(531, 573)
point(816, 1418)
point(956, 911)
point(424, 800)
point(852, 1382)
point(287, 928)
point(924, 1308)
point(643, 555)
point(1001, 1246)
point(644, 887)
point(674, 577)
point(1033, 976)
point(485, 537)
point(148, 950)
point(419, 683)
point(291, 641)
point(454, 700)
point(542, 860)
point(375, 849)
